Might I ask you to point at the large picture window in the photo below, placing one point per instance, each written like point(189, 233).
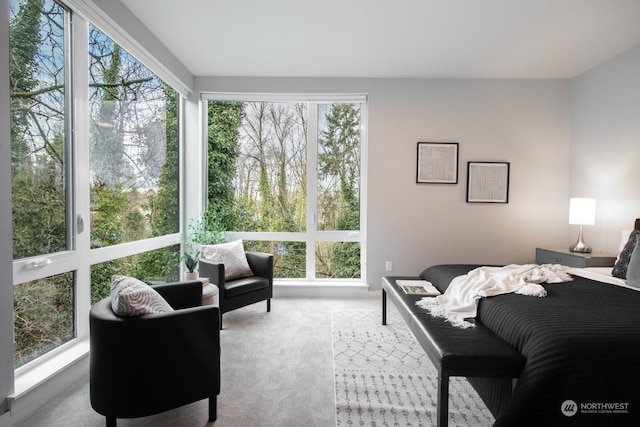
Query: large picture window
point(124, 141)
point(286, 176)
point(134, 145)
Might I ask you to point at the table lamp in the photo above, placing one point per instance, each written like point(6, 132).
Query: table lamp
point(581, 212)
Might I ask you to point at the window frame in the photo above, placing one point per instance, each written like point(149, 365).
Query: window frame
point(312, 234)
point(79, 257)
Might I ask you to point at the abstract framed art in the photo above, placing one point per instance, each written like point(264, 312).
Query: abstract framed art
point(488, 182)
point(437, 163)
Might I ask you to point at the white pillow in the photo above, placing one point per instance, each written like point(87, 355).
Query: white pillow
point(131, 297)
point(231, 254)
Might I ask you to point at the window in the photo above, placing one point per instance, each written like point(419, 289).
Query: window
point(41, 175)
point(127, 147)
point(40, 141)
point(286, 177)
point(134, 145)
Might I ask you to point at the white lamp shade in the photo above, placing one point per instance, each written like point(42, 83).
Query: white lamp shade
point(582, 211)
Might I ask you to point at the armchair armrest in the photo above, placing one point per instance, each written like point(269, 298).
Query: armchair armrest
point(261, 264)
point(181, 295)
point(213, 271)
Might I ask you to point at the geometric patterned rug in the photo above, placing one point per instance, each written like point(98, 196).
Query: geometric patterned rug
point(384, 378)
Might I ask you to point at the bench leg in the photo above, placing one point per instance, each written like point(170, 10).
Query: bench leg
point(384, 307)
point(443, 401)
point(213, 408)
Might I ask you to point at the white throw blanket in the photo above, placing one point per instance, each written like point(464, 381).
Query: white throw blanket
point(460, 300)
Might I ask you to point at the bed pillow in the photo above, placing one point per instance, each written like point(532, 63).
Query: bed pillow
point(232, 255)
point(620, 268)
point(633, 270)
point(624, 238)
point(131, 297)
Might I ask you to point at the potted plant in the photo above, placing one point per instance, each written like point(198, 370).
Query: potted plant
point(203, 231)
point(191, 263)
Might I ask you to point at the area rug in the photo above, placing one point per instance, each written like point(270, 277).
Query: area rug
point(384, 378)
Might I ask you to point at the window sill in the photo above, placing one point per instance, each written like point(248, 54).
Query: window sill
point(29, 378)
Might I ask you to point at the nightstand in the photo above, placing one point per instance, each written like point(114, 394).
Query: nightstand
point(573, 259)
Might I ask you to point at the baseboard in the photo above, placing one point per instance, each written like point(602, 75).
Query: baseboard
point(293, 289)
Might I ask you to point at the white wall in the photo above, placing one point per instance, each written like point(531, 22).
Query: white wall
point(525, 122)
point(605, 146)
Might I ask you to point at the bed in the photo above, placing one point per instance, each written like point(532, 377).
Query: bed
point(582, 345)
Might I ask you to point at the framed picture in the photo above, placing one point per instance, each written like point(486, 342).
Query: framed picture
point(437, 163)
point(487, 182)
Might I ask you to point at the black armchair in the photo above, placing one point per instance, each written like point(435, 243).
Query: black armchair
point(148, 364)
point(241, 292)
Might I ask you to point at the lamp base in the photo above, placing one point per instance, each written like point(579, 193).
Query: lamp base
point(580, 245)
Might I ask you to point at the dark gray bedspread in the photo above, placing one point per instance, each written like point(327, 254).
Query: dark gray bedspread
point(582, 344)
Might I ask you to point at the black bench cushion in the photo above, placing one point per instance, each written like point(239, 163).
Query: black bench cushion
point(471, 352)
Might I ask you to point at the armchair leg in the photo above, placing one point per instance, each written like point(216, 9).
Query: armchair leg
point(213, 410)
point(112, 422)
point(268, 305)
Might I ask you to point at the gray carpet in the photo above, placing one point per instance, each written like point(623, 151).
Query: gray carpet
point(384, 378)
point(277, 370)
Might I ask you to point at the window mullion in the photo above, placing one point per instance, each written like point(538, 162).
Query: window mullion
point(312, 189)
point(80, 165)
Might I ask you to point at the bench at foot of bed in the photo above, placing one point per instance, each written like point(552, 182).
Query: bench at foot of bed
point(471, 352)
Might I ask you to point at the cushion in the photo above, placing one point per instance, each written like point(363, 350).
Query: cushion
point(131, 297)
point(620, 267)
point(633, 270)
point(624, 238)
point(231, 254)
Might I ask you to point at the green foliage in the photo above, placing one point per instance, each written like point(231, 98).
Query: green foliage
point(207, 230)
point(43, 316)
point(163, 206)
point(271, 180)
point(224, 119)
point(344, 260)
point(191, 260)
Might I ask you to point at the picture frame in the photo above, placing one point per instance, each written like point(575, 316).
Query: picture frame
point(488, 182)
point(437, 163)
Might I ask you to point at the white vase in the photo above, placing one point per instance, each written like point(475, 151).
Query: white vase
point(188, 276)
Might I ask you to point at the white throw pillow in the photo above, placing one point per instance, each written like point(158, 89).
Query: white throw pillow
point(132, 297)
point(232, 255)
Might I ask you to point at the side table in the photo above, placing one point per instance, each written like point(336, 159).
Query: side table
point(573, 259)
point(209, 292)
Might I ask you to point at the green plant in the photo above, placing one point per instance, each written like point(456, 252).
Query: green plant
point(206, 229)
point(190, 259)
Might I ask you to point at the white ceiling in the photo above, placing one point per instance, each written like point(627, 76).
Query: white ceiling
point(392, 38)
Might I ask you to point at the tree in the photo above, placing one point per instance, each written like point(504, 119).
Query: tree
point(340, 159)
point(37, 91)
point(224, 120)
point(339, 163)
